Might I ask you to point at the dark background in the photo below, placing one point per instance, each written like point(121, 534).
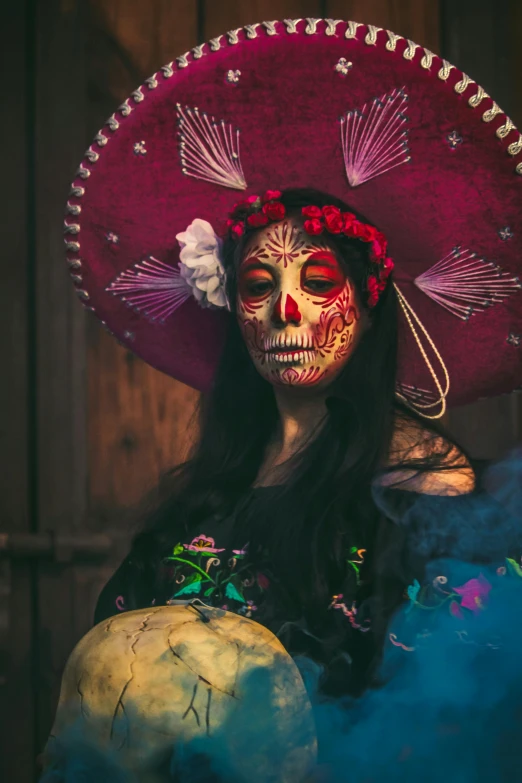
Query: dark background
point(85, 427)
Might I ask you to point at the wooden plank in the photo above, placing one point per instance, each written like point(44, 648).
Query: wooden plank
point(138, 425)
point(137, 417)
point(219, 17)
point(60, 336)
point(414, 19)
point(17, 747)
point(480, 37)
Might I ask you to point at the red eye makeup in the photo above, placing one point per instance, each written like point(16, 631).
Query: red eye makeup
point(322, 275)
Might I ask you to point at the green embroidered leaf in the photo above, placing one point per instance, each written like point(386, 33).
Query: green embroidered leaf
point(231, 592)
point(177, 549)
point(209, 591)
point(192, 587)
point(514, 566)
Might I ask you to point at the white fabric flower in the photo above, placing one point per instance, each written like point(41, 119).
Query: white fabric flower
point(200, 263)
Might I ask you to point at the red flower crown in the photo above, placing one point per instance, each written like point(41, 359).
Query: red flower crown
point(257, 211)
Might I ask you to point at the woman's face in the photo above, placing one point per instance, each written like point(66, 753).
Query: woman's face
point(298, 311)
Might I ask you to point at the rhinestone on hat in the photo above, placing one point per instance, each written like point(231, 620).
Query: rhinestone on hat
point(454, 139)
point(505, 233)
point(139, 148)
point(343, 66)
point(232, 77)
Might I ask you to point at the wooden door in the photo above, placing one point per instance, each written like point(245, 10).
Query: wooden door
point(87, 428)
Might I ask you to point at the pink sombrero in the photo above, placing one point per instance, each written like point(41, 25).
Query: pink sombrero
point(359, 112)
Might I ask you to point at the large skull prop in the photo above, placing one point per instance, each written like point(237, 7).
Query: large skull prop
point(146, 689)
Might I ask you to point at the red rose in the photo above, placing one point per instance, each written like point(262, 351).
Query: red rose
point(368, 233)
point(355, 229)
point(388, 264)
point(348, 220)
point(333, 219)
point(271, 194)
point(252, 200)
point(274, 210)
point(329, 209)
point(257, 219)
point(372, 284)
point(313, 226)
point(238, 229)
point(311, 212)
point(379, 245)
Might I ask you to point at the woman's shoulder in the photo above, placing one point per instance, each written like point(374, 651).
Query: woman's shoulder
point(452, 472)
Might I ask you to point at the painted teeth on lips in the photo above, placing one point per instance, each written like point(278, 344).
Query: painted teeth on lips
point(299, 357)
point(279, 342)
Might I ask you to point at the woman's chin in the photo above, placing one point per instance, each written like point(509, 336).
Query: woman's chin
point(299, 375)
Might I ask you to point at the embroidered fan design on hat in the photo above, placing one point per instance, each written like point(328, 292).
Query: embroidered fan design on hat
point(415, 395)
point(464, 283)
point(374, 139)
point(209, 149)
point(152, 288)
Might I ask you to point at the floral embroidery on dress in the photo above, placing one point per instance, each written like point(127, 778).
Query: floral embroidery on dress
point(355, 560)
point(198, 570)
point(463, 602)
point(351, 614)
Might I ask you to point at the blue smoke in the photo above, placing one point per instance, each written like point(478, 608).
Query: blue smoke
point(450, 706)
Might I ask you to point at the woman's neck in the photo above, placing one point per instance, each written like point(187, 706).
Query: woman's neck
point(299, 416)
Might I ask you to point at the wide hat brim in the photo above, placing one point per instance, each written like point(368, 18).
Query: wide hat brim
point(433, 163)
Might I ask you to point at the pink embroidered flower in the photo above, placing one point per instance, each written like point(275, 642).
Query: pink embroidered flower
point(474, 593)
point(202, 544)
point(262, 581)
point(455, 610)
point(351, 614)
point(239, 552)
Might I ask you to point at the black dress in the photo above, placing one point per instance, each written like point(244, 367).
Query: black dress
point(346, 636)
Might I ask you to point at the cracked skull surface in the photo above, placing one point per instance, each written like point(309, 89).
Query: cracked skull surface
point(146, 693)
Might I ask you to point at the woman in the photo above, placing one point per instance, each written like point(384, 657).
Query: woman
point(291, 443)
point(323, 385)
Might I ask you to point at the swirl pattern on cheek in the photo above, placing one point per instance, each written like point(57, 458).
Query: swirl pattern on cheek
point(332, 332)
point(252, 329)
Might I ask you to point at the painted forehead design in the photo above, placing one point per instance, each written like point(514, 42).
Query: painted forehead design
point(283, 243)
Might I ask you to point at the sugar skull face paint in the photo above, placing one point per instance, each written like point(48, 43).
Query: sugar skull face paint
point(297, 309)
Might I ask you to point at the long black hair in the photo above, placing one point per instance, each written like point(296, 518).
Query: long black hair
point(327, 489)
